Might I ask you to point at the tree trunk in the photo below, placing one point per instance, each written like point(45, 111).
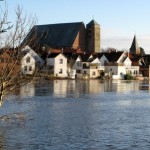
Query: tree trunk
point(1, 99)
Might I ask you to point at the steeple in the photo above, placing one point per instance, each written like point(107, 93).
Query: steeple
point(134, 49)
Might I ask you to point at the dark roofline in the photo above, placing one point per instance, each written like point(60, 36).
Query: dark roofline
point(59, 24)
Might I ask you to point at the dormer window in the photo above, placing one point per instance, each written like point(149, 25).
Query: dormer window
point(28, 60)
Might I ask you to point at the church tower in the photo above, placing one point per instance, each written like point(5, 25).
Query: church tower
point(93, 37)
point(135, 49)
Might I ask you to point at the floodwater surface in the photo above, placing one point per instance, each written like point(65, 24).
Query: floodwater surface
point(77, 115)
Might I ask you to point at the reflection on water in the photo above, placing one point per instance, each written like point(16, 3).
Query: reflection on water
point(64, 88)
point(78, 115)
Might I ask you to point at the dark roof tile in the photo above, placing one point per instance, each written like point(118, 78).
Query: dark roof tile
point(56, 35)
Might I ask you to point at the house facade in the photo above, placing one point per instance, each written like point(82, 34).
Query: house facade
point(56, 64)
point(30, 61)
point(87, 66)
point(28, 64)
point(115, 67)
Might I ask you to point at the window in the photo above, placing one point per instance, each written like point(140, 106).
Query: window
point(60, 71)
point(60, 61)
point(84, 65)
point(30, 68)
point(25, 68)
point(93, 73)
point(78, 64)
point(28, 60)
point(78, 71)
point(136, 72)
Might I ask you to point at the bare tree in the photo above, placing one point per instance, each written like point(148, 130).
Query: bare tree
point(11, 37)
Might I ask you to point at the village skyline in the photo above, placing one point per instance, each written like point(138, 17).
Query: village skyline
point(119, 20)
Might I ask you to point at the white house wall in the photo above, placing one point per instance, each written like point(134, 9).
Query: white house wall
point(94, 73)
point(117, 72)
point(60, 70)
point(127, 62)
point(78, 64)
point(28, 65)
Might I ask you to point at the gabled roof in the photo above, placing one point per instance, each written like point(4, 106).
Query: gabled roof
point(32, 53)
point(56, 35)
point(113, 56)
point(75, 56)
point(85, 56)
point(54, 55)
point(99, 55)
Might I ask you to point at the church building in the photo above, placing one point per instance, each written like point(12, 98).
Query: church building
point(67, 37)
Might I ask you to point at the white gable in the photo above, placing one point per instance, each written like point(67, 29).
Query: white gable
point(127, 62)
point(78, 59)
point(90, 57)
point(61, 56)
point(103, 60)
point(36, 57)
point(122, 58)
point(95, 61)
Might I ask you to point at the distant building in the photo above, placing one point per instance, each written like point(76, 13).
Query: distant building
point(135, 49)
point(65, 37)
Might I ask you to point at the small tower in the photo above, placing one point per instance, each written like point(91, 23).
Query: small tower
point(93, 37)
point(134, 49)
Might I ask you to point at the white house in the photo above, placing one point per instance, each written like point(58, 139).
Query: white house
point(115, 68)
point(94, 68)
point(30, 61)
point(57, 65)
point(87, 66)
point(27, 64)
point(132, 64)
point(39, 61)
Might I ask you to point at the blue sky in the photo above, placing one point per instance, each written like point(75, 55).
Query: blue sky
point(119, 19)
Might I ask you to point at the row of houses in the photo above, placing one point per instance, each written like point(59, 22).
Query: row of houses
point(81, 65)
point(112, 64)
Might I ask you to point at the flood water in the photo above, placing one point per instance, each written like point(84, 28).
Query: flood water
point(78, 115)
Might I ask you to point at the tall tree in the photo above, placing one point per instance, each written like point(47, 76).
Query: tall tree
point(11, 36)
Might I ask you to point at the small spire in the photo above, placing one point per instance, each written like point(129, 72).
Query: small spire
point(134, 46)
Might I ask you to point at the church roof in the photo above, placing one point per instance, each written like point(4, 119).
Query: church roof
point(56, 35)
